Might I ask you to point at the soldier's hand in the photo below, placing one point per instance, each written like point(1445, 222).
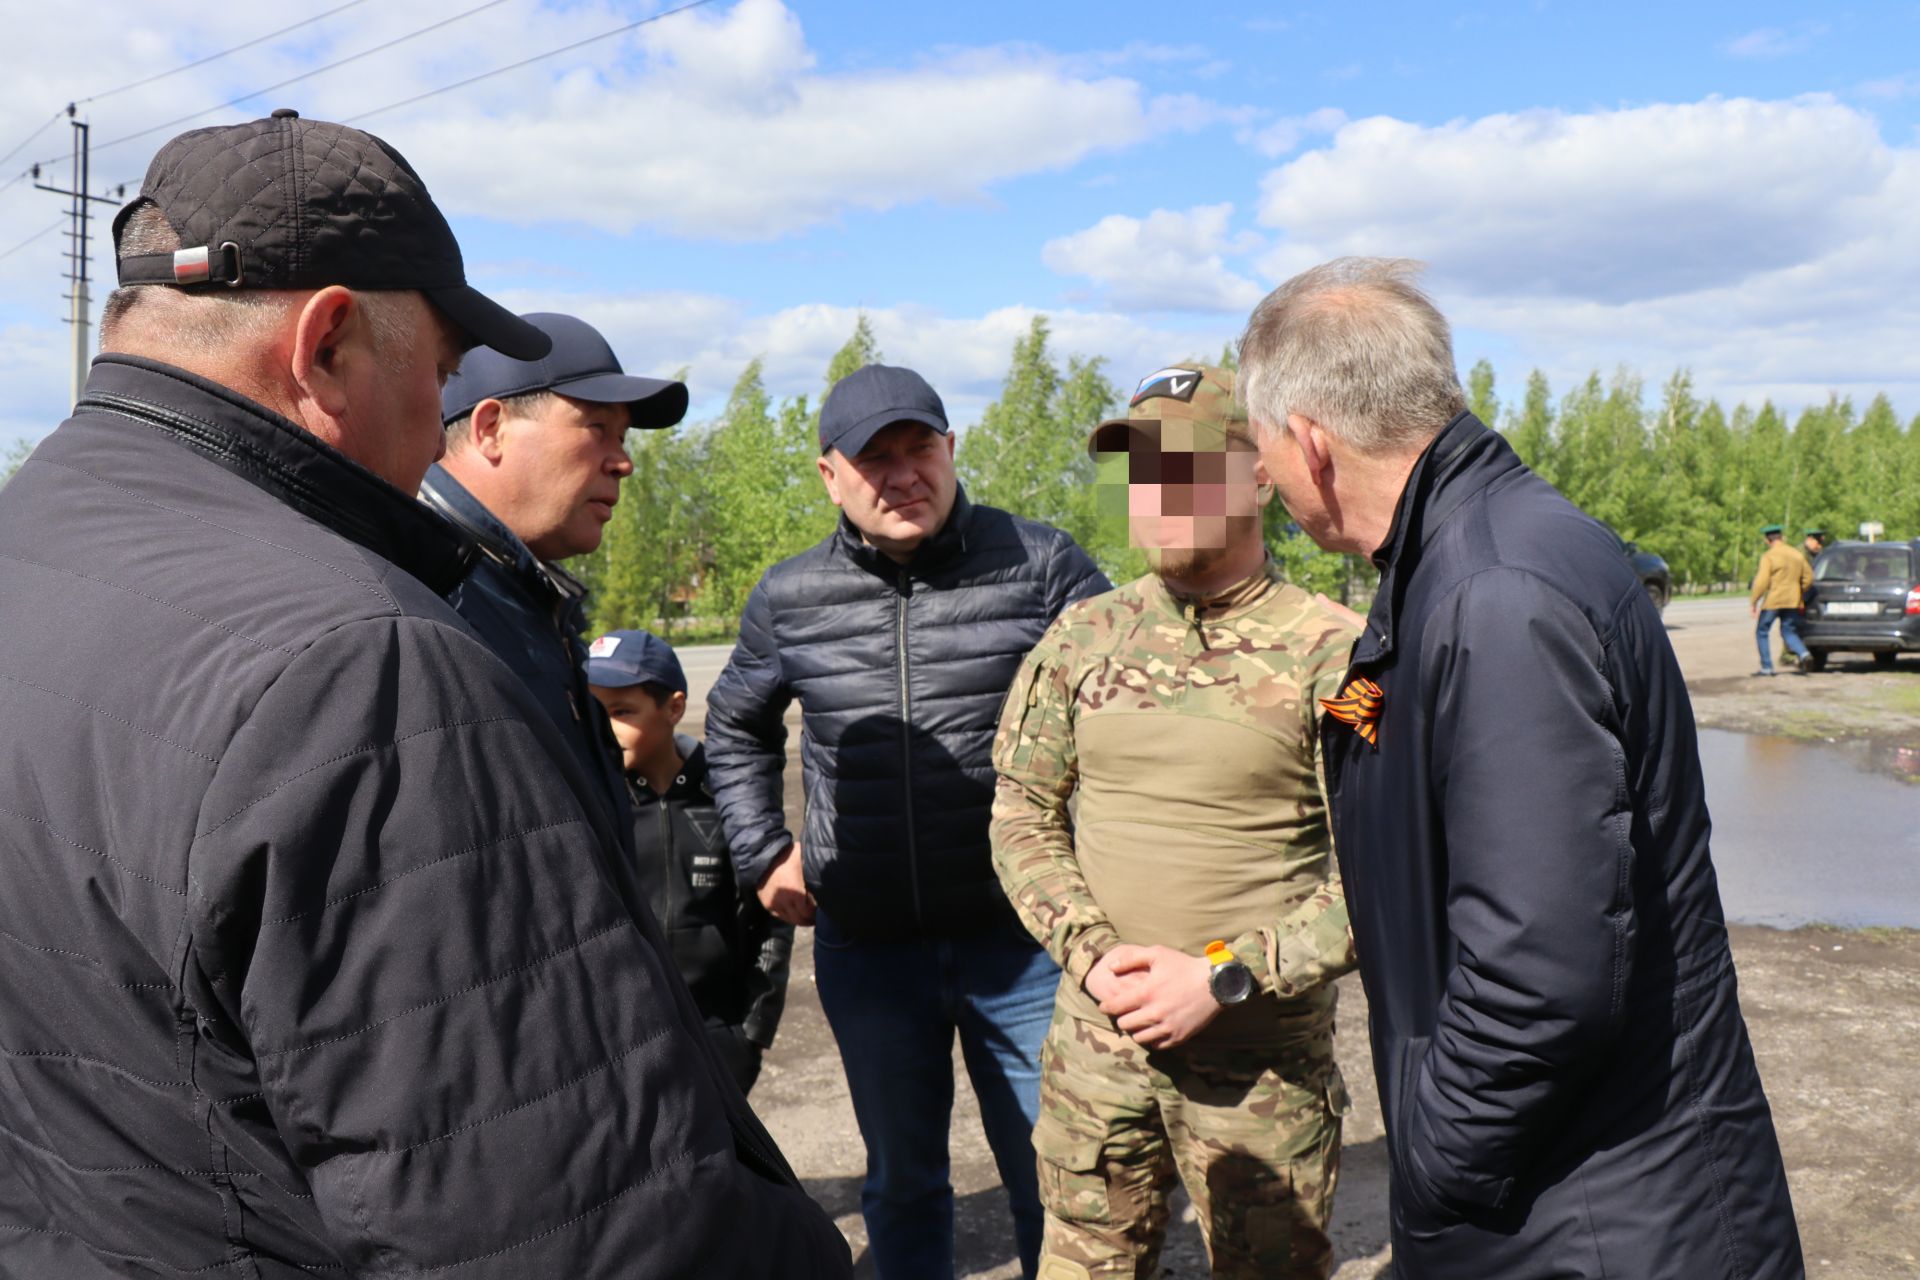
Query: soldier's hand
point(1106, 986)
point(1163, 998)
point(783, 890)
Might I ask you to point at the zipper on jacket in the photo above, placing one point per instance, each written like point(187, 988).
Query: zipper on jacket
point(906, 744)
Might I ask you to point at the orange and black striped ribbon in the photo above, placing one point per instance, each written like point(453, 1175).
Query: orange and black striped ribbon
point(1360, 707)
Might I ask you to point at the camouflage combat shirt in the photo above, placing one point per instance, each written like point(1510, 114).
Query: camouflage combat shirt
point(1159, 783)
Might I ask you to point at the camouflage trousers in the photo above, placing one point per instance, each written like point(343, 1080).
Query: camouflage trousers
point(1253, 1134)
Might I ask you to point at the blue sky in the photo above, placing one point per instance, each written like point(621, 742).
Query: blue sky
point(1724, 188)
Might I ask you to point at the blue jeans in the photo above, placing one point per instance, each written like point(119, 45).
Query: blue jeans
point(894, 1008)
point(1789, 635)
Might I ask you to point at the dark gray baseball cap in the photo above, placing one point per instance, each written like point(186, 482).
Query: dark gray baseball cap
point(286, 203)
point(581, 364)
point(872, 398)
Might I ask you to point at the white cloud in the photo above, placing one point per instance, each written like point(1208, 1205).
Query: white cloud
point(1285, 135)
point(965, 357)
point(1617, 206)
point(1167, 261)
point(1764, 244)
point(1773, 42)
point(729, 132)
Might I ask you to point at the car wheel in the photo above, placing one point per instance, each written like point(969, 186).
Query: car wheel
point(1816, 660)
point(1658, 594)
point(1884, 657)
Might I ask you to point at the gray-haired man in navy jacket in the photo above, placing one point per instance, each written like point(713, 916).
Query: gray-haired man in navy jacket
point(1521, 824)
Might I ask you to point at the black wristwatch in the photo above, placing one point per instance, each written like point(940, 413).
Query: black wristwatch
point(1230, 981)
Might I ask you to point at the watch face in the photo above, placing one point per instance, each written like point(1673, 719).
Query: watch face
point(1231, 982)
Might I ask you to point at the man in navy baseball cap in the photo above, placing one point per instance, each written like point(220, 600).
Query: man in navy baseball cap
point(536, 450)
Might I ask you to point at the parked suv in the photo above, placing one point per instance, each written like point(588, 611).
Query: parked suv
point(1865, 597)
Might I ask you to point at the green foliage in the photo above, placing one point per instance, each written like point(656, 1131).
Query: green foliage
point(10, 462)
point(1028, 453)
point(1691, 483)
point(1480, 397)
point(711, 506)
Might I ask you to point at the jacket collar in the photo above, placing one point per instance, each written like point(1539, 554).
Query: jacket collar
point(497, 542)
point(948, 543)
point(284, 459)
point(1242, 597)
point(1461, 461)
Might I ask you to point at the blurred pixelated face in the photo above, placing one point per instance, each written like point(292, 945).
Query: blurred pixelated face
point(1190, 495)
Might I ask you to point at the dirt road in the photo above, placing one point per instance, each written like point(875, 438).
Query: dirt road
point(1835, 1019)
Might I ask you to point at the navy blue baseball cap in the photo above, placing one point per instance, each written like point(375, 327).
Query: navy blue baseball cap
point(581, 365)
point(621, 658)
point(872, 398)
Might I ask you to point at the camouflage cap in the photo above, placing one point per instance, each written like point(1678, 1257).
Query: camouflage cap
point(1183, 408)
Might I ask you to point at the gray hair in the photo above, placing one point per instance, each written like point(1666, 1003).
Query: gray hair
point(528, 404)
point(210, 324)
point(1356, 346)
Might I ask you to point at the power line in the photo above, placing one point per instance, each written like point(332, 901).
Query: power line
point(53, 226)
point(525, 62)
point(304, 75)
point(214, 57)
point(22, 144)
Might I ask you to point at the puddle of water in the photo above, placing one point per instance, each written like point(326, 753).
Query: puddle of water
point(1813, 833)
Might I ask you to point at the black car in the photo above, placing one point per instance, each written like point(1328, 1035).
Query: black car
point(1652, 570)
point(1865, 597)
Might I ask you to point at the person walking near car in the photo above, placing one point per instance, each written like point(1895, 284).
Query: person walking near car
point(1193, 907)
point(319, 956)
point(1514, 781)
point(1812, 543)
point(1780, 591)
point(898, 635)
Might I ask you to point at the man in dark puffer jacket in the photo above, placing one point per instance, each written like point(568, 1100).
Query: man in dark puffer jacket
point(899, 635)
point(316, 955)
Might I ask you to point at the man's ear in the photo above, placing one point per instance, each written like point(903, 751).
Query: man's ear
point(320, 334)
point(1311, 440)
point(829, 476)
point(676, 707)
point(484, 430)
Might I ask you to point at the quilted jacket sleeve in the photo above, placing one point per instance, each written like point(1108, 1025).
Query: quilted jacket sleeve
point(405, 928)
point(747, 745)
point(1071, 576)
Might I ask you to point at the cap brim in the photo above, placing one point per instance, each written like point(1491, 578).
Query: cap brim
point(490, 324)
point(611, 677)
point(854, 439)
point(1115, 435)
point(654, 402)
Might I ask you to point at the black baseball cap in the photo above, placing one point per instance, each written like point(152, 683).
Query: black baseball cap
point(869, 399)
point(286, 203)
point(620, 659)
point(580, 365)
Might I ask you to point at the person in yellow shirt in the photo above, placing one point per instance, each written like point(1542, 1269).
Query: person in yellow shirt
point(1779, 588)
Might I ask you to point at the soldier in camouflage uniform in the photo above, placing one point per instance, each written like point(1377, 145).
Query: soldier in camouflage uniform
point(1178, 715)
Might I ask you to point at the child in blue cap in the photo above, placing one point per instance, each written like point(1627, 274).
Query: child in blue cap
point(731, 952)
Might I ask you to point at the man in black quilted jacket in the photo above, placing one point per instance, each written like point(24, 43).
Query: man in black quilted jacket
point(898, 635)
point(316, 953)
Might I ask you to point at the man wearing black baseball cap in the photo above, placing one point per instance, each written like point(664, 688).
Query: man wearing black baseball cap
point(319, 956)
point(536, 450)
point(899, 635)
